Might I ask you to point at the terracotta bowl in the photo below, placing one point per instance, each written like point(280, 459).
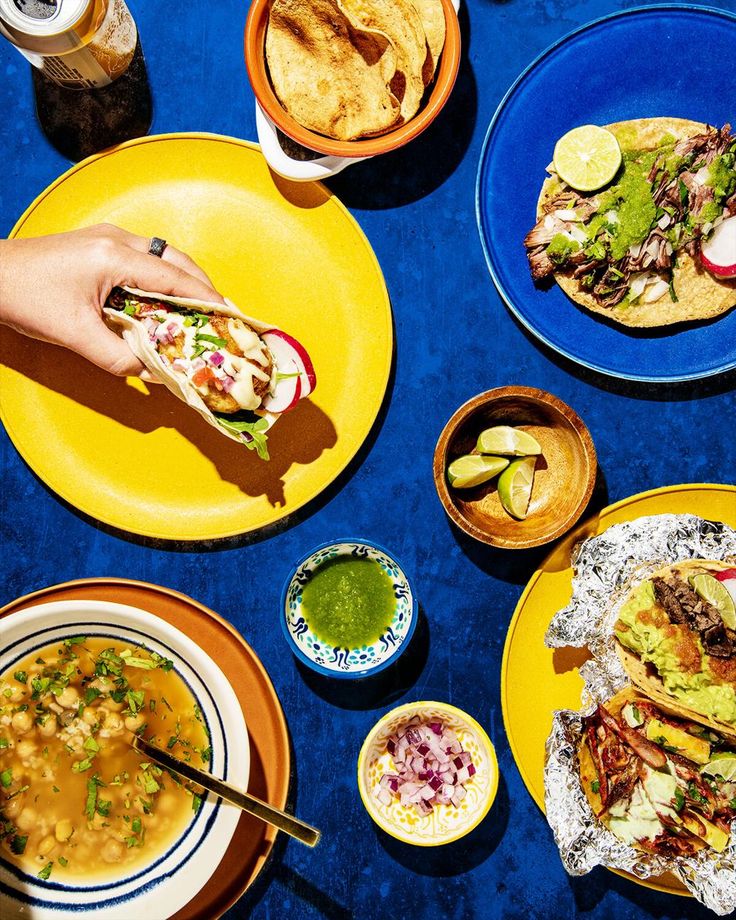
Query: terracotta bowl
point(439, 91)
point(563, 479)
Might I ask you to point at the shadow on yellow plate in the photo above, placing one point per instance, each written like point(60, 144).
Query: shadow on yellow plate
point(300, 436)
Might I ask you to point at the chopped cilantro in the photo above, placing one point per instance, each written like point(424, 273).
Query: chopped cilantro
point(81, 765)
point(18, 845)
point(679, 799)
point(6, 778)
point(91, 694)
point(46, 871)
point(91, 805)
point(63, 862)
point(4, 743)
point(91, 746)
point(21, 676)
point(595, 785)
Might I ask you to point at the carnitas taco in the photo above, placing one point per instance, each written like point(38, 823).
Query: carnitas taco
point(660, 783)
point(239, 373)
point(676, 638)
point(632, 251)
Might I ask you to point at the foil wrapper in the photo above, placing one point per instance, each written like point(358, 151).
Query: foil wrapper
point(585, 843)
point(605, 568)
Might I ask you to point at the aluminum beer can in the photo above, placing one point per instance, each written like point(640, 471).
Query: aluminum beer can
point(80, 44)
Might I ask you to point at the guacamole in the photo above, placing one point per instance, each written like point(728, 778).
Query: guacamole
point(645, 630)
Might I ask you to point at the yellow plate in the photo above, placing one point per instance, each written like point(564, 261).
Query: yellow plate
point(132, 455)
point(536, 680)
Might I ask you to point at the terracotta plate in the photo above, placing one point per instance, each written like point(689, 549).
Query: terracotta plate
point(269, 739)
point(531, 672)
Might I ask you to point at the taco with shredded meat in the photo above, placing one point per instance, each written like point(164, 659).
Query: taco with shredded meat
point(660, 783)
point(631, 251)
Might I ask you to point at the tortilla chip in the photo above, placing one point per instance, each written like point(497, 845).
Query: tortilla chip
point(432, 14)
point(700, 295)
point(331, 76)
point(399, 21)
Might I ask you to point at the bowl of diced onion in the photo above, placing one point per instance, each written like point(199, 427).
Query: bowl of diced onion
point(427, 773)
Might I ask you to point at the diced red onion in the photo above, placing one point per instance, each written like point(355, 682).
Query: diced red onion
point(227, 383)
point(179, 364)
point(431, 768)
point(197, 364)
point(216, 359)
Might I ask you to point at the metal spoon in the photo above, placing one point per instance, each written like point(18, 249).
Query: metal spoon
point(290, 825)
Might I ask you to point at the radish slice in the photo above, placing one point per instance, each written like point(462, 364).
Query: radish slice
point(288, 392)
point(285, 348)
point(728, 580)
point(718, 254)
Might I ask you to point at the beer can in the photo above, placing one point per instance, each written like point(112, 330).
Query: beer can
point(80, 44)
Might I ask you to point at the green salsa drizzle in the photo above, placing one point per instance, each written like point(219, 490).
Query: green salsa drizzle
point(349, 602)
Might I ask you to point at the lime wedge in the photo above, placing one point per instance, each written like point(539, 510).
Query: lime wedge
point(471, 470)
point(587, 158)
point(724, 765)
point(508, 441)
point(714, 592)
point(515, 486)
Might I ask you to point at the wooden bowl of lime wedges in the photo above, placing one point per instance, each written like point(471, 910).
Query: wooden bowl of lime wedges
point(515, 467)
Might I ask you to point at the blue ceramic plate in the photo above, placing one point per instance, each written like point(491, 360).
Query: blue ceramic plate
point(673, 60)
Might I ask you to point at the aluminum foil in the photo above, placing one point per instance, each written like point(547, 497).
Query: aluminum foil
point(605, 568)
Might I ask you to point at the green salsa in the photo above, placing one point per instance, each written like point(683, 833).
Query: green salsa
point(349, 602)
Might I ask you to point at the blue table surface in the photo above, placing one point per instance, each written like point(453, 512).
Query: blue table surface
point(454, 339)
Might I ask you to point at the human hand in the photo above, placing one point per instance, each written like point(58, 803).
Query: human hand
point(54, 287)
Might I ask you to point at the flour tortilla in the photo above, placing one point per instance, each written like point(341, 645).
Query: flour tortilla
point(331, 74)
point(700, 295)
point(135, 334)
point(645, 677)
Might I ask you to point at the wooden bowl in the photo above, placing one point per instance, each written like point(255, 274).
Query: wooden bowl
point(563, 479)
point(439, 91)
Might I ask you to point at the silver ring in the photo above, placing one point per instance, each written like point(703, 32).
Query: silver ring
point(156, 246)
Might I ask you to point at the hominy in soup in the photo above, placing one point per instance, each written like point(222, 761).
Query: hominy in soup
point(75, 799)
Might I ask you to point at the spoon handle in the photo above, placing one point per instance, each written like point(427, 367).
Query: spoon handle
point(287, 823)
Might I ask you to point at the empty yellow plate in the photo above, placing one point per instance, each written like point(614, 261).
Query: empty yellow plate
point(133, 456)
point(536, 680)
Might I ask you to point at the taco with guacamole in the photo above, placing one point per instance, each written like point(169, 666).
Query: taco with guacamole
point(676, 638)
point(632, 250)
point(239, 373)
point(660, 783)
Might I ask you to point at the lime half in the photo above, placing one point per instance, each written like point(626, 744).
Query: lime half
point(471, 470)
point(723, 765)
point(503, 439)
point(712, 591)
point(515, 486)
point(587, 158)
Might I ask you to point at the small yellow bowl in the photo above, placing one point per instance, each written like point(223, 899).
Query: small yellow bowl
point(445, 823)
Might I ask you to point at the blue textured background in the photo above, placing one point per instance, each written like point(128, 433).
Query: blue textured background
point(454, 339)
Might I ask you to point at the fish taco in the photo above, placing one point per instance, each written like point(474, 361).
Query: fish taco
point(632, 250)
point(239, 373)
point(676, 638)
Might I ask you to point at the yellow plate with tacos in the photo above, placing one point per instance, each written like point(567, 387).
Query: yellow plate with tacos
point(135, 456)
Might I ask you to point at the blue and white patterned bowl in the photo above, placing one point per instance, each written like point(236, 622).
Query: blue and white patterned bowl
point(333, 661)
